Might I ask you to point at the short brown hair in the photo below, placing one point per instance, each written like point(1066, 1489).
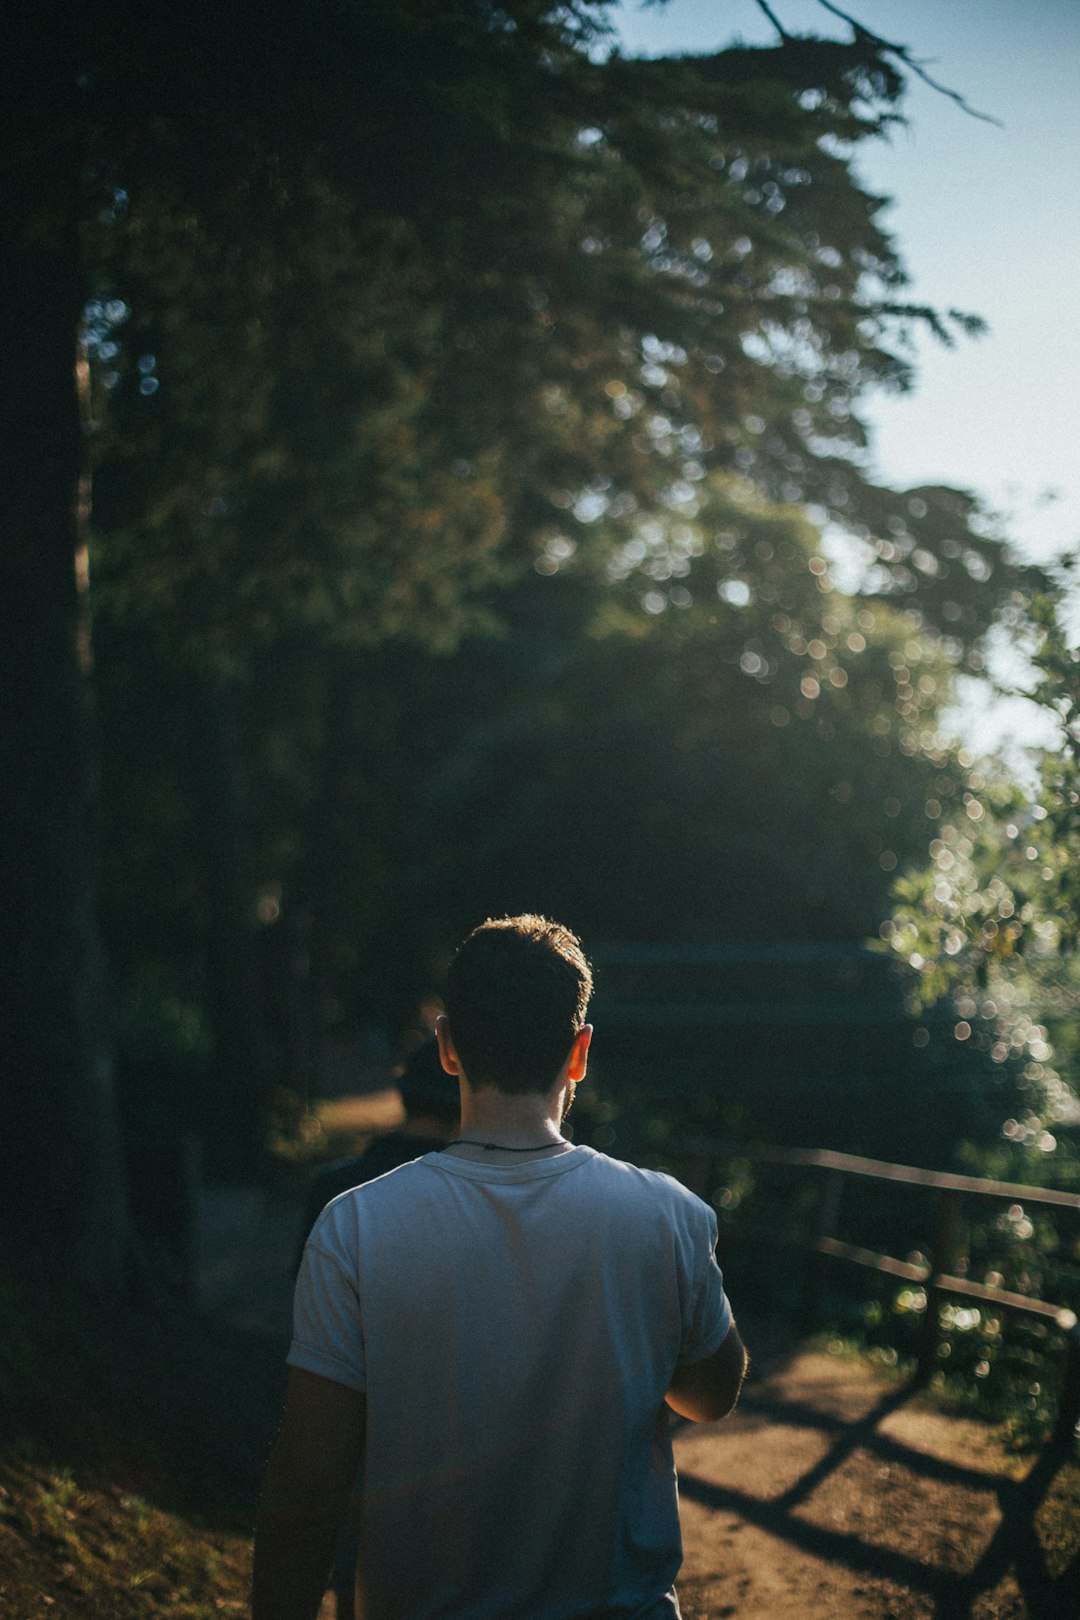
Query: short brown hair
point(516, 997)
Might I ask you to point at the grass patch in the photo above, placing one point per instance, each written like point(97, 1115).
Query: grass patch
point(74, 1542)
point(132, 1444)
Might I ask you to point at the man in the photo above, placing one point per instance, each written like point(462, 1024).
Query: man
point(497, 1331)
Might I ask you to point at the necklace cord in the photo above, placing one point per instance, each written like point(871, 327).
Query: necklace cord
point(497, 1147)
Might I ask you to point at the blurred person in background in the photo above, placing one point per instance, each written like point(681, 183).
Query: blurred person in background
point(432, 1107)
point(494, 1335)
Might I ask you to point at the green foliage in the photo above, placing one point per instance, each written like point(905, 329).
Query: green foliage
point(989, 927)
point(777, 716)
point(998, 1365)
point(559, 294)
point(468, 409)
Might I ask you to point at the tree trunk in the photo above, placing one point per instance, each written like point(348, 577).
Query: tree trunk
point(63, 1209)
point(240, 1077)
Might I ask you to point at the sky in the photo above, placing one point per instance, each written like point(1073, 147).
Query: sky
point(987, 219)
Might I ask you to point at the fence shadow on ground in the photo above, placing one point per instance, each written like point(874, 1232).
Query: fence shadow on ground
point(1013, 1544)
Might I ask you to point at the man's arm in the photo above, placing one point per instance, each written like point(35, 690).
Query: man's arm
point(309, 1480)
point(707, 1390)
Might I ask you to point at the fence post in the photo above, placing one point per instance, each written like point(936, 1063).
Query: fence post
point(828, 1209)
point(1068, 1414)
point(943, 1251)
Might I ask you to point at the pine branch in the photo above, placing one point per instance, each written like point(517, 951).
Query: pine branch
point(774, 19)
point(903, 54)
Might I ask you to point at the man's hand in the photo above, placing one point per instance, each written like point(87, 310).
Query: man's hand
point(707, 1390)
point(309, 1480)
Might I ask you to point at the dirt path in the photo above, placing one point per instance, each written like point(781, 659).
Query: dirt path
point(828, 1493)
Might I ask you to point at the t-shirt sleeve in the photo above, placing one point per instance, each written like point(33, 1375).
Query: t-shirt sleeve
point(708, 1316)
point(327, 1334)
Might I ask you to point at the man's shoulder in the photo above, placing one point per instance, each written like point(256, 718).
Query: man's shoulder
point(635, 1182)
point(626, 1169)
point(392, 1178)
point(359, 1200)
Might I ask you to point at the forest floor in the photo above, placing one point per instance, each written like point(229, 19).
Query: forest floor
point(128, 1476)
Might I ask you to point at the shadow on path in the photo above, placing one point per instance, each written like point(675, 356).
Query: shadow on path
point(858, 1504)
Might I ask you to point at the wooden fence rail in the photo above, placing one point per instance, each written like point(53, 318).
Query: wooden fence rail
point(940, 1275)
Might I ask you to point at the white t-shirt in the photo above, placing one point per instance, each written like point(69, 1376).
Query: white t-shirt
point(515, 1329)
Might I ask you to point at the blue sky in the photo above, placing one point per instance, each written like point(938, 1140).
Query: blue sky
point(987, 220)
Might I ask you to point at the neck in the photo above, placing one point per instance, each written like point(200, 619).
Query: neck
point(527, 1121)
point(435, 1125)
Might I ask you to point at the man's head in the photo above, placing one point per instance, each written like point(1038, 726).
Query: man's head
point(516, 996)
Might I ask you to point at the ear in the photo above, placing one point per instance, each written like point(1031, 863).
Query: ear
point(447, 1055)
point(579, 1054)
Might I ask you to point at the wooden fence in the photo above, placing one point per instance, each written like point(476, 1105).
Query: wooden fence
point(941, 1274)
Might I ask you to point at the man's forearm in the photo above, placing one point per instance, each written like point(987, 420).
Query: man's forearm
point(310, 1479)
point(706, 1391)
point(295, 1543)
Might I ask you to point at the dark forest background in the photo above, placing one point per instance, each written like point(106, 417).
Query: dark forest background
point(438, 486)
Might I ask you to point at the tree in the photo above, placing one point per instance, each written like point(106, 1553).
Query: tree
point(451, 297)
point(103, 97)
point(665, 272)
point(748, 771)
point(61, 1181)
